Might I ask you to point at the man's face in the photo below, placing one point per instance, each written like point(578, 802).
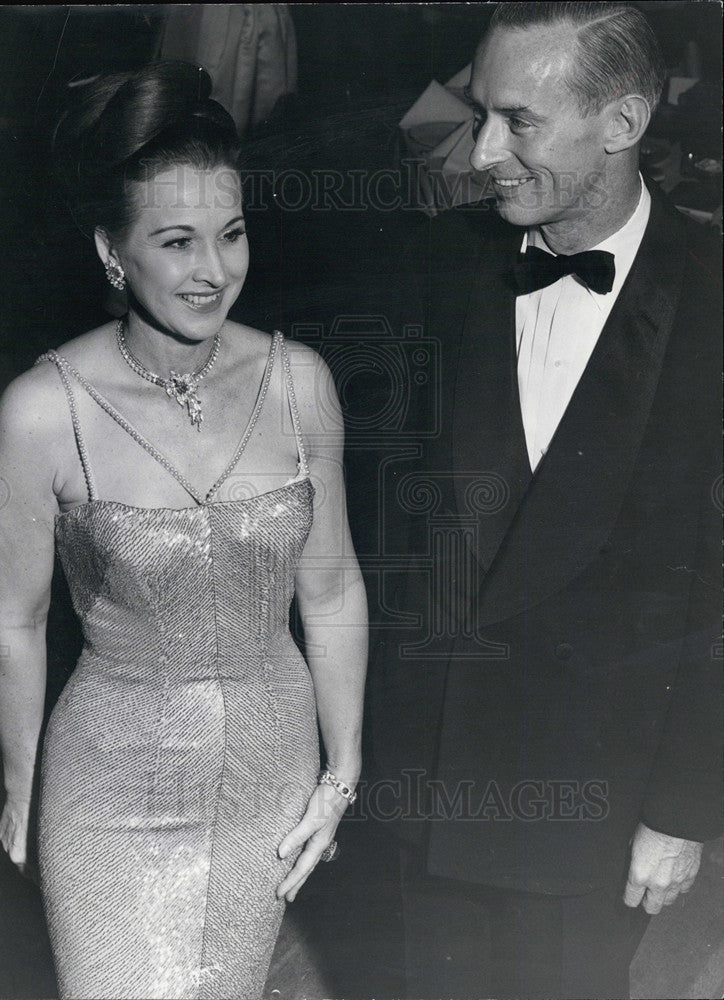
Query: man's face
point(547, 162)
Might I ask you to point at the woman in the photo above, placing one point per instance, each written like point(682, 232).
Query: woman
point(172, 456)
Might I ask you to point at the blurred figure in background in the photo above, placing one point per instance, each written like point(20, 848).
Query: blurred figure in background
point(249, 50)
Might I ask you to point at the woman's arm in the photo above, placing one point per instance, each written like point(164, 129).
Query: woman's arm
point(333, 607)
point(27, 508)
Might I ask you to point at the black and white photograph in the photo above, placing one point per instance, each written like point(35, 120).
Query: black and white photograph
point(361, 501)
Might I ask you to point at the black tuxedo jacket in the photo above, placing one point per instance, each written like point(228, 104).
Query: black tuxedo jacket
point(555, 676)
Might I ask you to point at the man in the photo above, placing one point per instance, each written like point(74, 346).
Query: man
point(553, 734)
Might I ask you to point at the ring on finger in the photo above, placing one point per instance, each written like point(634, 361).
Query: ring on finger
point(331, 852)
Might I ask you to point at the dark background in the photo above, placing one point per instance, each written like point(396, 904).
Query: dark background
point(360, 67)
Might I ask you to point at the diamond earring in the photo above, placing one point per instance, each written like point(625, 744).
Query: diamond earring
point(115, 275)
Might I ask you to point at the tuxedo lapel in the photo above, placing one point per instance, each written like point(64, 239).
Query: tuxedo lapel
point(489, 455)
point(573, 500)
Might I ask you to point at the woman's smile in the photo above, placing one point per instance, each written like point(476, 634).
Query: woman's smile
point(203, 301)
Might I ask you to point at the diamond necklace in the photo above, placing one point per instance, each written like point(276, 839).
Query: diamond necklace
point(181, 387)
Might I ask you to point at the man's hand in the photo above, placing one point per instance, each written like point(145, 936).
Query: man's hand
point(661, 867)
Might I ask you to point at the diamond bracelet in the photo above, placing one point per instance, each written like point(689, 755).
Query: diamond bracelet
point(327, 777)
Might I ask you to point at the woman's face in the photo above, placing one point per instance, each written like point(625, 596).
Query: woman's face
point(185, 255)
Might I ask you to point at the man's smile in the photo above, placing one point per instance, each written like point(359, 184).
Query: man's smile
point(511, 182)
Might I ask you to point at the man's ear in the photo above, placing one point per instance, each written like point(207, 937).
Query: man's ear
point(628, 121)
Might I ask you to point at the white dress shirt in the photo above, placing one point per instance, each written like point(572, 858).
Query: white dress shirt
point(557, 328)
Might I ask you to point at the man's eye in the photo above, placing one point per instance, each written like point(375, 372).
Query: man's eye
point(478, 123)
point(517, 124)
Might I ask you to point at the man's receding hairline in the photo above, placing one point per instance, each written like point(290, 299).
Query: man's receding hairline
point(564, 17)
point(537, 26)
point(543, 26)
point(565, 75)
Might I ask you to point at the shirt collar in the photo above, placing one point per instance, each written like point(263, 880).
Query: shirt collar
point(623, 244)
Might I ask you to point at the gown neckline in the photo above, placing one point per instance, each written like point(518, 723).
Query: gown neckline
point(204, 505)
point(201, 500)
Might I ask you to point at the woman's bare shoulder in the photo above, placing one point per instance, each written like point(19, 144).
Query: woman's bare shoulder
point(32, 416)
point(301, 353)
point(249, 341)
point(311, 378)
point(31, 394)
point(309, 369)
point(36, 399)
point(247, 344)
point(315, 392)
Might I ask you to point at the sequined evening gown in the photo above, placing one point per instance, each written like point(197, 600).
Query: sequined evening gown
point(184, 746)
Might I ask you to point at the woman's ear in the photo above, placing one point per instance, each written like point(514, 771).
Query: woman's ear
point(103, 245)
point(116, 300)
point(628, 122)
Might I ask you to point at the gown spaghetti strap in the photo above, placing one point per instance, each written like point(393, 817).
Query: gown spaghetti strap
point(184, 746)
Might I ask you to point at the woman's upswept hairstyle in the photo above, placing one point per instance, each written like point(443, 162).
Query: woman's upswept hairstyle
point(130, 126)
point(617, 51)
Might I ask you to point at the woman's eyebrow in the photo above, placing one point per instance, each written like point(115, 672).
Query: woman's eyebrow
point(190, 229)
point(165, 229)
point(237, 218)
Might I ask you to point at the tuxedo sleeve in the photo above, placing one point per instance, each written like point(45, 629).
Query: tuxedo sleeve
point(684, 793)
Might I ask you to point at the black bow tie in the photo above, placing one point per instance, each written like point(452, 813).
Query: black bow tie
point(536, 269)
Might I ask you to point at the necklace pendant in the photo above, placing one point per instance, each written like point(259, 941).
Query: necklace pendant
point(195, 414)
point(183, 388)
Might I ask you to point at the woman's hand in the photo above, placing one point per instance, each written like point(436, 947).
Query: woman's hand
point(14, 824)
point(316, 831)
